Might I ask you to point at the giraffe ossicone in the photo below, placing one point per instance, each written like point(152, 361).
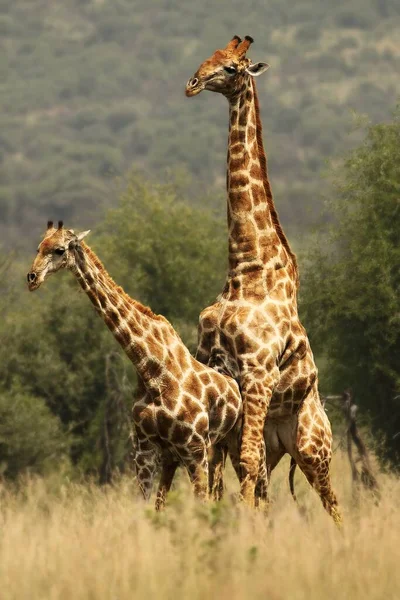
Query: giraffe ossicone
point(182, 407)
point(255, 321)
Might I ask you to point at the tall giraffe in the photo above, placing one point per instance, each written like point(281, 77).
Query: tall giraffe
point(254, 326)
point(182, 406)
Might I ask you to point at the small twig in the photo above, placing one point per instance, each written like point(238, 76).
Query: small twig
point(116, 415)
point(366, 477)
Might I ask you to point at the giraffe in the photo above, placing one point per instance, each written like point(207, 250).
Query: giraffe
point(182, 406)
point(253, 327)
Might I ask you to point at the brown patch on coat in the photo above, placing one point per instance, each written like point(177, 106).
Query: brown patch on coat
point(181, 434)
point(164, 423)
point(241, 203)
point(239, 179)
point(205, 377)
point(234, 116)
point(261, 219)
point(201, 426)
point(193, 385)
point(258, 195)
point(153, 369)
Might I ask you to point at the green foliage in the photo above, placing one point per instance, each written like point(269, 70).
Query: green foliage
point(352, 286)
point(88, 88)
point(169, 254)
point(31, 438)
point(53, 345)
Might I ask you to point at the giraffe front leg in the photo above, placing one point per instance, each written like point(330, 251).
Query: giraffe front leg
point(168, 470)
point(256, 389)
point(196, 463)
point(146, 462)
point(216, 468)
point(261, 488)
point(267, 463)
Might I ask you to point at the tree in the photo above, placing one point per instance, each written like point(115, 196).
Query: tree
point(167, 253)
point(31, 438)
point(352, 283)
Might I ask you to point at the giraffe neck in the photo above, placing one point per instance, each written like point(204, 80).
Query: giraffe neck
point(256, 239)
point(146, 338)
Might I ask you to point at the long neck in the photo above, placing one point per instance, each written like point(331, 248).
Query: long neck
point(148, 339)
point(256, 239)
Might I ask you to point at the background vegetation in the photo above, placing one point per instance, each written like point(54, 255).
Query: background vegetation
point(351, 292)
point(89, 87)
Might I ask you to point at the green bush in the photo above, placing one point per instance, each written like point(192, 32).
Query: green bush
point(120, 118)
point(350, 295)
point(31, 437)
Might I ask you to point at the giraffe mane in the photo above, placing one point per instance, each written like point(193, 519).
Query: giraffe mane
point(263, 164)
point(146, 310)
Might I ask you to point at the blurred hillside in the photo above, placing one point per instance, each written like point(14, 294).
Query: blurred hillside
point(89, 87)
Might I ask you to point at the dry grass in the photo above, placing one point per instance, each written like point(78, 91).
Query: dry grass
point(74, 542)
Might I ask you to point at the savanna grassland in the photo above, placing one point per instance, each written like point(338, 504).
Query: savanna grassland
point(81, 541)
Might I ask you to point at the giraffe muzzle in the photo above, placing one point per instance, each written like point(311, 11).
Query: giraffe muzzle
point(193, 87)
point(32, 280)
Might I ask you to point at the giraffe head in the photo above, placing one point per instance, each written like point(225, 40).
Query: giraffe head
point(226, 70)
point(56, 251)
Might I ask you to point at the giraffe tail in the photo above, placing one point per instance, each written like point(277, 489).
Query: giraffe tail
point(292, 470)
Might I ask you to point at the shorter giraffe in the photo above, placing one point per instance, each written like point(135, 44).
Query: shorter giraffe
point(182, 406)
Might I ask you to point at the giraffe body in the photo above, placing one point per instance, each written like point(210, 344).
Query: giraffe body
point(182, 406)
point(253, 328)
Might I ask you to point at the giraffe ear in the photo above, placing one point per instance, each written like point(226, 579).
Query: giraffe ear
point(256, 69)
point(81, 235)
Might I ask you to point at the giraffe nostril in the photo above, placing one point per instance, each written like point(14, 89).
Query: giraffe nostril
point(193, 82)
point(31, 277)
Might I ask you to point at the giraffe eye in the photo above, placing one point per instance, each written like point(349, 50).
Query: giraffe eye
point(59, 251)
point(230, 70)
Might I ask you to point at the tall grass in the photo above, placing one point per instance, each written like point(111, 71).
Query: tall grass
point(80, 542)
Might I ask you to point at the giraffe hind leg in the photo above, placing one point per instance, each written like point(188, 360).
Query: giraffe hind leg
point(316, 470)
point(312, 451)
point(261, 489)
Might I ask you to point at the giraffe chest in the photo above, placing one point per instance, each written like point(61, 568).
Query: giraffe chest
point(192, 419)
